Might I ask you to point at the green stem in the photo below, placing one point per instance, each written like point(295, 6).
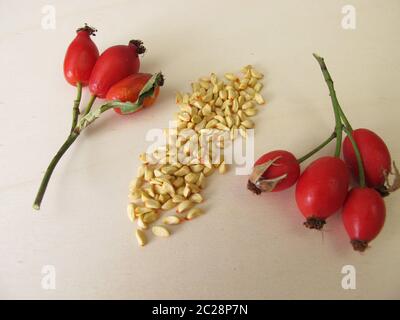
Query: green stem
point(88, 118)
point(43, 185)
point(77, 102)
point(335, 103)
point(345, 121)
point(314, 151)
point(90, 104)
point(361, 172)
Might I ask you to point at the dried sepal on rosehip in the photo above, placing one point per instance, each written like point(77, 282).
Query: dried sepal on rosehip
point(390, 187)
point(274, 171)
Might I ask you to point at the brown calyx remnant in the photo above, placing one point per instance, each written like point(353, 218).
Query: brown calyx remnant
point(253, 188)
point(314, 223)
point(90, 30)
point(139, 46)
point(359, 245)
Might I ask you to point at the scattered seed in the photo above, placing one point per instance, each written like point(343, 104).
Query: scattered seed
point(171, 220)
point(196, 198)
point(131, 211)
point(194, 213)
point(185, 205)
point(141, 237)
point(160, 231)
point(151, 203)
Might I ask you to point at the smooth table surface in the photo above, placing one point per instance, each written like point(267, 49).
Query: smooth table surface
point(244, 246)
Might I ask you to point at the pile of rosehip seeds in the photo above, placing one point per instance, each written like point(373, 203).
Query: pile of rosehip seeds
point(323, 187)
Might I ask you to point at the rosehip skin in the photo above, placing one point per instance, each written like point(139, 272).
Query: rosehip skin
point(285, 164)
point(321, 190)
point(128, 89)
point(80, 58)
point(374, 153)
point(363, 216)
point(113, 65)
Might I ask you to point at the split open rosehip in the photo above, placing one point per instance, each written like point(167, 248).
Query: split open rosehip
point(274, 171)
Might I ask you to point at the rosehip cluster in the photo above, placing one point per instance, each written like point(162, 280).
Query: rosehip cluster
point(323, 187)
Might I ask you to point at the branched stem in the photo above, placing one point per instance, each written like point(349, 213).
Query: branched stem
point(361, 172)
point(88, 118)
point(77, 102)
point(320, 147)
point(90, 104)
point(335, 103)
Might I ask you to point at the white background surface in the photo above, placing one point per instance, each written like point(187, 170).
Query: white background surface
point(245, 246)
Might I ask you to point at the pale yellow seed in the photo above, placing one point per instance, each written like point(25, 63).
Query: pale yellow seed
point(258, 97)
point(194, 213)
point(193, 188)
point(185, 205)
point(168, 205)
point(140, 171)
point(197, 168)
point(200, 125)
point(145, 196)
point(258, 86)
point(178, 198)
point(219, 102)
point(243, 132)
point(178, 98)
point(168, 188)
point(134, 195)
point(150, 217)
point(221, 126)
point(184, 116)
point(171, 220)
point(213, 78)
point(230, 76)
point(249, 124)
point(245, 69)
point(160, 231)
point(223, 94)
point(191, 177)
point(142, 210)
point(148, 174)
point(229, 121)
point(220, 117)
point(201, 181)
point(185, 98)
point(243, 84)
point(141, 224)
point(141, 237)
point(208, 171)
point(247, 105)
point(204, 84)
point(196, 197)
point(131, 211)
point(182, 171)
point(242, 115)
point(187, 108)
point(212, 123)
point(179, 181)
point(186, 191)
point(252, 82)
point(151, 203)
point(180, 190)
point(250, 112)
point(143, 158)
point(256, 74)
